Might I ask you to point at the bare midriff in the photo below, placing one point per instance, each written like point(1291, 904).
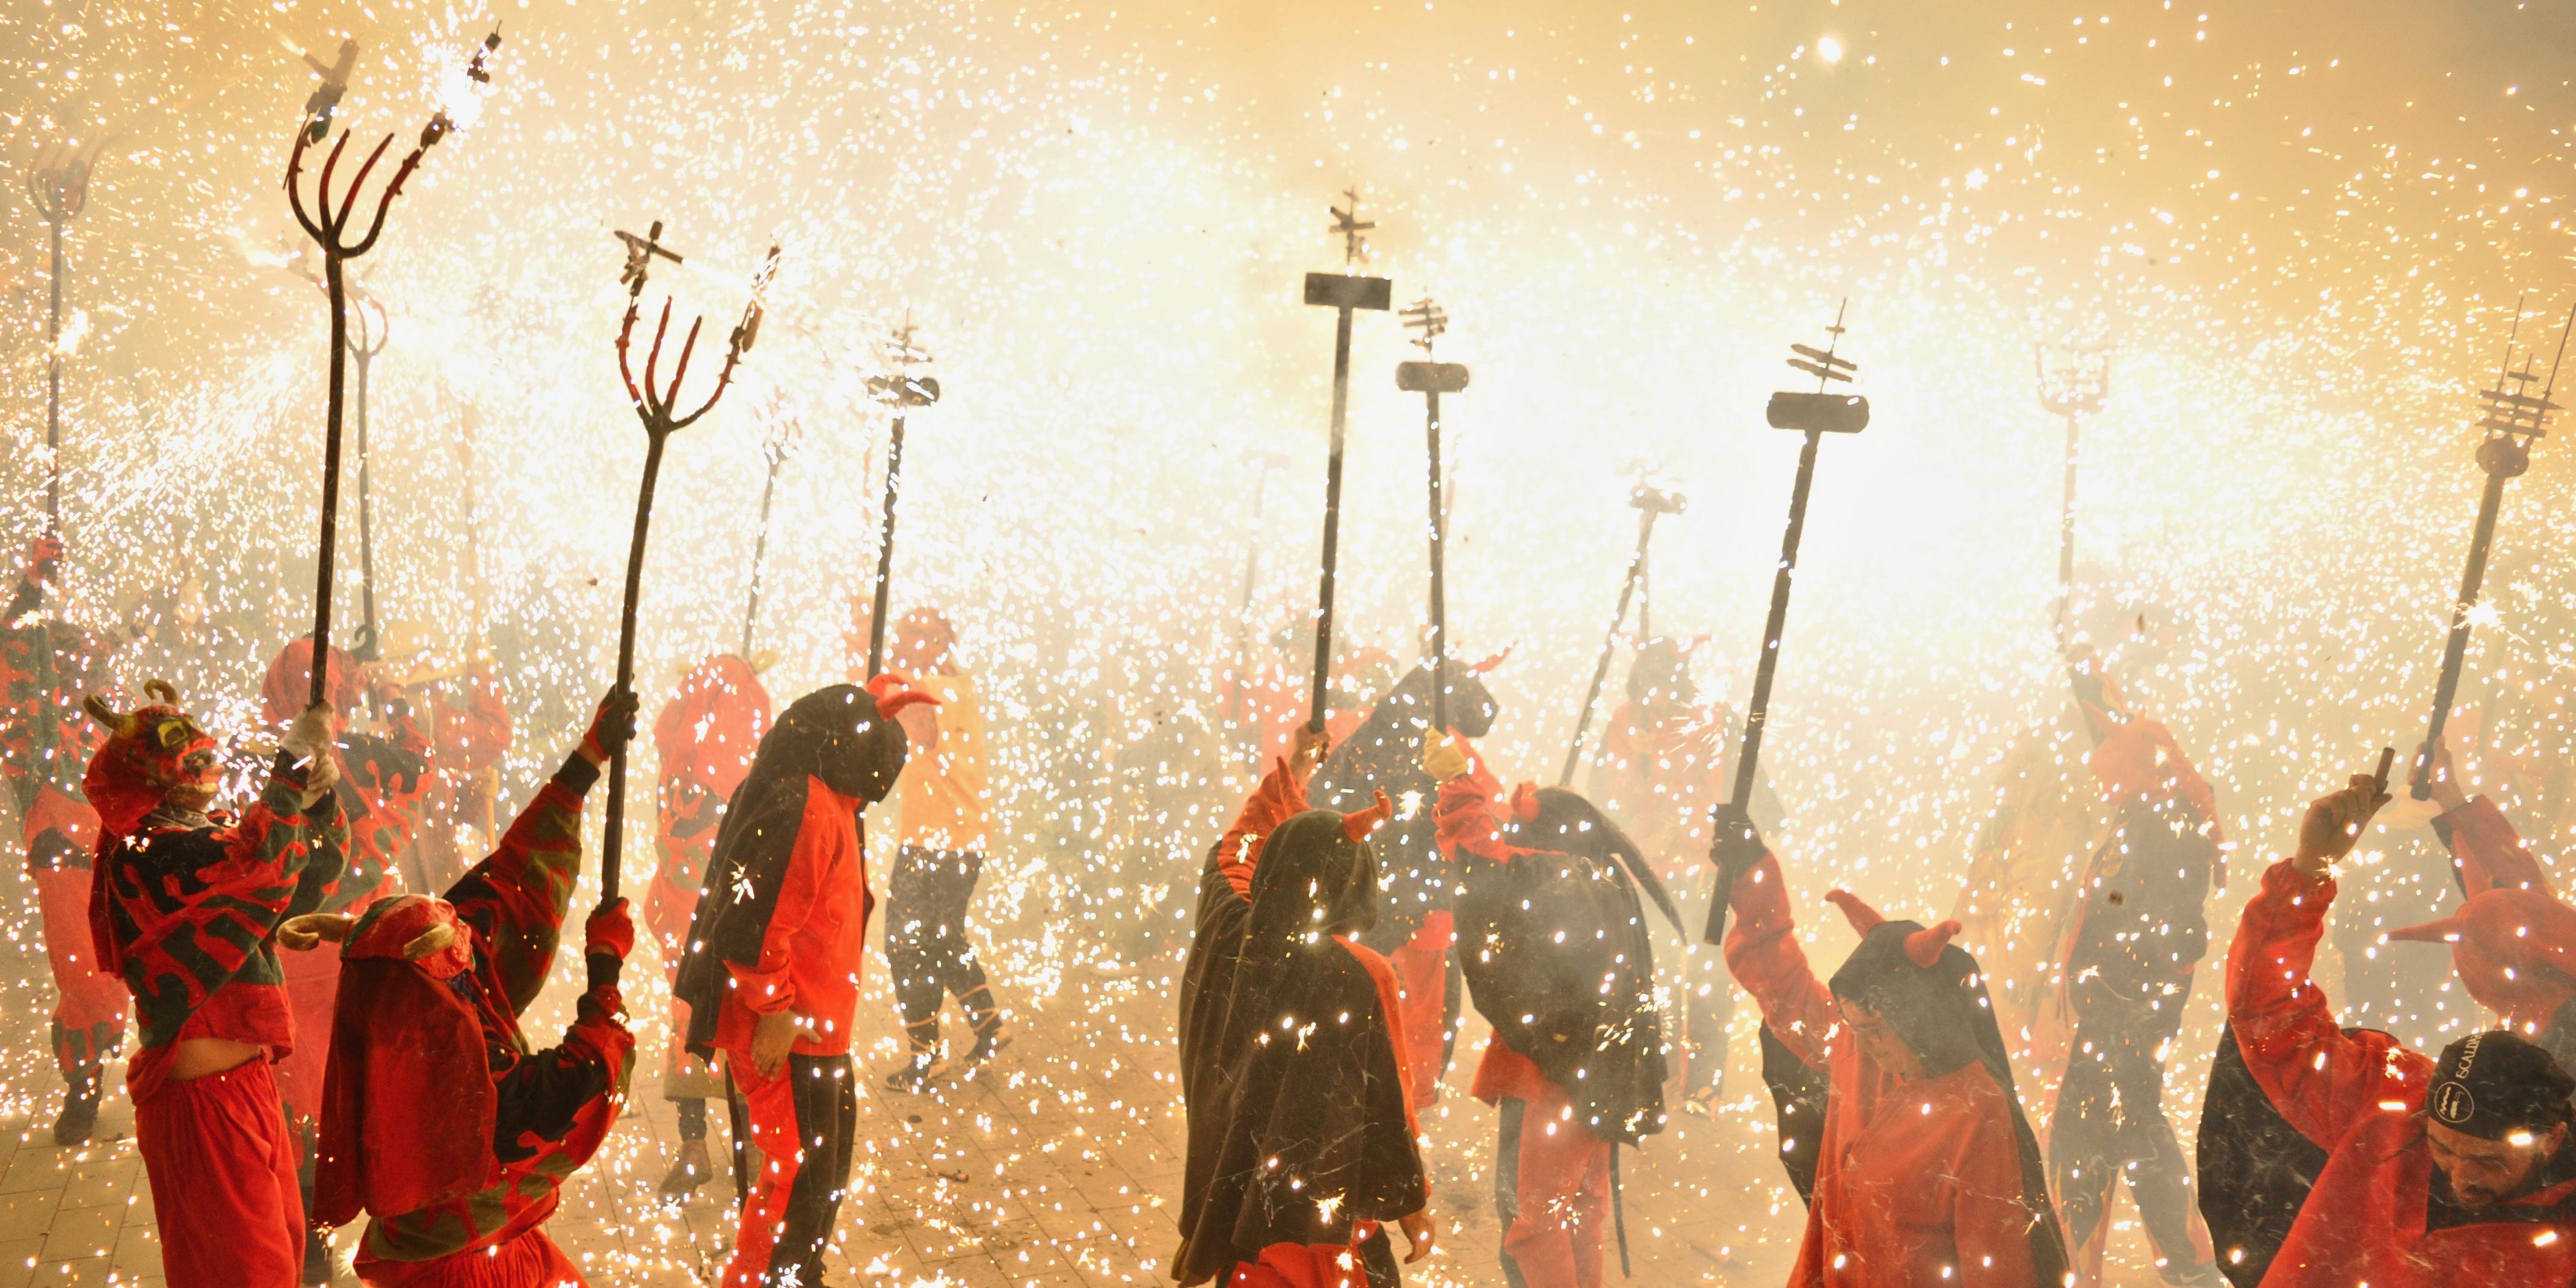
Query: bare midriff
point(204, 1057)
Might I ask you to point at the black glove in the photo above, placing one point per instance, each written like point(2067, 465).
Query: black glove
point(604, 967)
point(1735, 845)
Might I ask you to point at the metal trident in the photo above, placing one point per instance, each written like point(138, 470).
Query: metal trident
point(656, 404)
point(330, 229)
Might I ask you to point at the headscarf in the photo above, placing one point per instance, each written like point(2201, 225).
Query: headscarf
point(712, 727)
point(408, 1049)
point(842, 736)
point(287, 688)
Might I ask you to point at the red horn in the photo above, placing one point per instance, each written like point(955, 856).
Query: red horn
point(1925, 946)
point(1490, 663)
point(1525, 803)
point(1862, 917)
point(1357, 826)
point(892, 703)
point(2447, 930)
point(887, 682)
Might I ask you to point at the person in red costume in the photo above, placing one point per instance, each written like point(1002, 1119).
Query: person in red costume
point(383, 785)
point(771, 973)
point(45, 667)
point(184, 910)
point(2437, 1172)
point(1299, 1150)
point(439, 1120)
point(705, 738)
point(1551, 919)
point(467, 718)
point(1921, 1169)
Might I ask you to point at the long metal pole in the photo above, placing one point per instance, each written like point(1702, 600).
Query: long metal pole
point(885, 550)
point(369, 643)
point(1758, 713)
point(759, 554)
point(1439, 588)
point(2455, 652)
point(2066, 535)
point(613, 829)
point(1332, 518)
point(335, 279)
point(1609, 645)
point(54, 390)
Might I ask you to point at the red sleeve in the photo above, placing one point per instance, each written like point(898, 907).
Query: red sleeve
point(1989, 1219)
point(1278, 798)
point(769, 986)
point(1466, 813)
point(1763, 954)
point(2321, 1080)
point(2491, 854)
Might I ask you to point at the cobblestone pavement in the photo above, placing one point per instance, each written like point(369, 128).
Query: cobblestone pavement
point(1056, 1165)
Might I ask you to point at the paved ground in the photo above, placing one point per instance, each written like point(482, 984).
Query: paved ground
point(1057, 1165)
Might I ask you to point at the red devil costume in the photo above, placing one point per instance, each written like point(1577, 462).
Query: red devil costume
point(705, 738)
point(183, 909)
point(778, 940)
point(1416, 926)
point(1301, 1135)
point(2138, 933)
point(383, 789)
point(45, 667)
point(2379, 1210)
point(1930, 1180)
point(438, 1119)
point(1554, 945)
point(468, 723)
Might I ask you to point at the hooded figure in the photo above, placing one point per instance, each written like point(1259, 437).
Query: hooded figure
point(185, 907)
point(1553, 940)
point(1899, 1121)
point(438, 1118)
point(1301, 1131)
point(705, 739)
point(1414, 926)
point(771, 976)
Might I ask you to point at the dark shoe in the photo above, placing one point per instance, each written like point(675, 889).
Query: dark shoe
point(990, 1040)
point(914, 1074)
point(690, 1170)
point(79, 1118)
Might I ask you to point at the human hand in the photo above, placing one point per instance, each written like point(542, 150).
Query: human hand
point(43, 554)
point(321, 777)
point(2446, 778)
point(1422, 1231)
point(1444, 756)
point(2334, 822)
point(771, 1040)
point(611, 728)
point(308, 932)
point(1735, 845)
point(311, 734)
point(610, 930)
point(1305, 750)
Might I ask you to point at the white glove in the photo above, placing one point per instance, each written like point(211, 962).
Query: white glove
point(310, 735)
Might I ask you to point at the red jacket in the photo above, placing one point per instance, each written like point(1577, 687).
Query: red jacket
point(1918, 1183)
point(817, 938)
point(2361, 1098)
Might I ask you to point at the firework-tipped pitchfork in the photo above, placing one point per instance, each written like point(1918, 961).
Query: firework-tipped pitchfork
point(902, 391)
point(1814, 415)
point(332, 229)
point(2515, 418)
point(1431, 379)
point(657, 406)
point(1343, 292)
point(2075, 391)
point(59, 185)
point(1652, 503)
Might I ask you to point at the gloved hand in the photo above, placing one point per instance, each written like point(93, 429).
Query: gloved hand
point(1444, 756)
point(43, 554)
point(611, 728)
point(607, 937)
point(1735, 846)
point(308, 743)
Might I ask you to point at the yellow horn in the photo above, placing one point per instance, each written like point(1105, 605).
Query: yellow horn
point(118, 724)
point(162, 689)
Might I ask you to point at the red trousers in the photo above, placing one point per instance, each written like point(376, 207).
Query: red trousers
point(1300, 1265)
point(312, 986)
point(223, 1181)
point(1422, 980)
point(89, 1004)
point(1552, 1192)
point(530, 1261)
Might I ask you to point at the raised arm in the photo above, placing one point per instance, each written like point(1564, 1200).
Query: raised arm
point(1762, 953)
point(2319, 1078)
point(516, 897)
point(1280, 796)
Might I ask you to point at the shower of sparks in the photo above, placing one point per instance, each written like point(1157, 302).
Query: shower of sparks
point(2306, 242)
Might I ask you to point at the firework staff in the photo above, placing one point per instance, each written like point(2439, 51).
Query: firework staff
point(1553, 939)
point(2441, 1171)
point(705, 737)
point(44, 744)
point(1302, 1139)
point(1416, 925)
point(383, 785)
point(438, 1119)
point(771, 975)
point(1666, 759)
point(1908, 1138)
point(944, 837)
point(2138, 933)
point(184, 910)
